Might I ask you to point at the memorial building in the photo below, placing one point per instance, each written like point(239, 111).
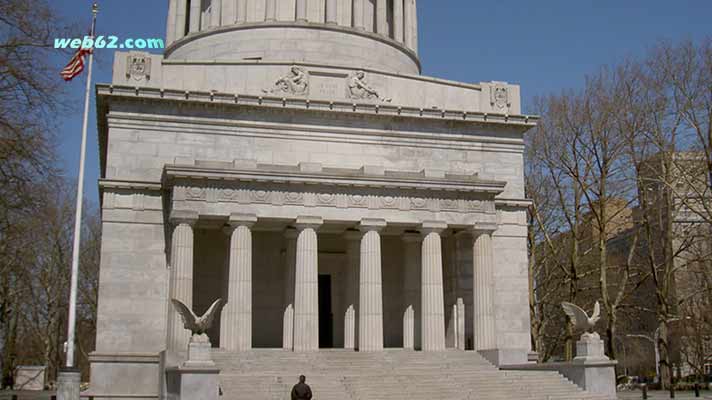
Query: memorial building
point(288, 157)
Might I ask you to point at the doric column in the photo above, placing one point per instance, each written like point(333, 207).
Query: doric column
point(290, 259)
point(331, 12)
point(414, 27)
point(451, 330)
point(288, 328)
point(215, 13)
point(271, 10)
point(236, 326)
point(344, 11)
point(350, 328)
point(306, 286)
point(411, 25)
point(408, 25)
point(483, 288)
point(460, 327)
point(301, 10)
point(195, 12)
point(411, 280)
point(358, 14)
point(409, 328)
point(241, 11)
point(229, 12)
point(398, 20)
point(181, 18)
point(370, 287)
point(171, 22)
point(433, 314)
point(353, 249)
point(382, 17)
point(181, 277)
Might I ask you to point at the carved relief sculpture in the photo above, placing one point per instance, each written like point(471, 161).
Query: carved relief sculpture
point(296, 83)
point(138, 66)
point(359, 89)
point(499, 97)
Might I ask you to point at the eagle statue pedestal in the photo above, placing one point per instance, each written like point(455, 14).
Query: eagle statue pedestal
point(590, 348)
point(197, 377)
point(591, 369)
point(199, 352)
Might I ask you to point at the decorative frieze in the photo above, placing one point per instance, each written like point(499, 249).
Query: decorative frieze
point(296, 82)
point(260, 196)
point(343, 199)
point(292, 198)
point(196, 193)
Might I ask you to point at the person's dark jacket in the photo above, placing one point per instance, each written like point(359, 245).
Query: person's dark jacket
point(301, 391)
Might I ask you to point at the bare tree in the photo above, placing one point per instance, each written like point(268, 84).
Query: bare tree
point(554, 168)
point(29, 99)
point(619, 175)
point(40, 282)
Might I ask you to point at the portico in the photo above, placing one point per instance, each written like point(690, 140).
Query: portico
point(289, 157)
point(373, 238)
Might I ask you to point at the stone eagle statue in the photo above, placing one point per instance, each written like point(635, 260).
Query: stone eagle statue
point(579, 318)
point(198, 325)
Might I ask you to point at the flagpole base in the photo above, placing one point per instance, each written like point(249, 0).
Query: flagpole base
point(68, 382)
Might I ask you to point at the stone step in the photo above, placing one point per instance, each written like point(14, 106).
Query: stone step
point(390, 375)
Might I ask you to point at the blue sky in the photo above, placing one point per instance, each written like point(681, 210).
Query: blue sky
point(545, 46)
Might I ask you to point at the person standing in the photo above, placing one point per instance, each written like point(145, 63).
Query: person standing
point(301, 391)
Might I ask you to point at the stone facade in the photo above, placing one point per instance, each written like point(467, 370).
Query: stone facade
point(301, 183)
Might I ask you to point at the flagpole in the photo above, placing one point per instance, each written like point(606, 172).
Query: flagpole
point(71, 328)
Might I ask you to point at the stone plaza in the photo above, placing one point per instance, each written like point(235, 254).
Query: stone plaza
point(288, 157)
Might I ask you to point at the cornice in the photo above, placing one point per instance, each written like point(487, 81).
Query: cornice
point(106, 92)
point(334, 177)
point(133, 185)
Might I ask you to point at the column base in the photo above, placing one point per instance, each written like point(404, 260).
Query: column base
point(68, 382)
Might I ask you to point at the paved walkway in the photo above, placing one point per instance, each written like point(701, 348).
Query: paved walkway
point(660, 395)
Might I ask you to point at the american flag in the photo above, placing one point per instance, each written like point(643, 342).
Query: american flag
point(76, 65)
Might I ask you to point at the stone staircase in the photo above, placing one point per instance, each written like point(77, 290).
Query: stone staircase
point(390, 375)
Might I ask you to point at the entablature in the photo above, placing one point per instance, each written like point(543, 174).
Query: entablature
point(339, 194)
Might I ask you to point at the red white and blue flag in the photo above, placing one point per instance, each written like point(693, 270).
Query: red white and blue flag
point(76, 65)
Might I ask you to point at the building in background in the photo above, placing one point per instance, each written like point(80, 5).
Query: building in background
point(678, 214)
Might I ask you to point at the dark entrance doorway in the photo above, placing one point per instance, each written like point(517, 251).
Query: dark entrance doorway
point(326, 318)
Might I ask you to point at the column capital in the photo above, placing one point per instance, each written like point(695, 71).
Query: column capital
point(429, 227)
point(306, 222)
point(372, 224)
point(179, 217)
point(412, 237)
point(483, 228)
point(237, 220)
